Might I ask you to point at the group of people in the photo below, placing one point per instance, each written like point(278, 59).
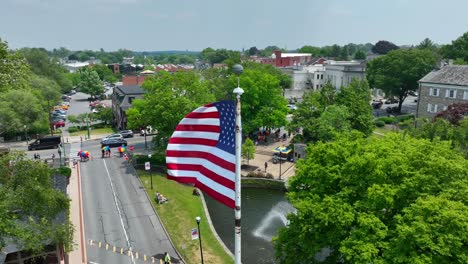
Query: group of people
point(84, 155)
point(106, 151)
point(160, 199)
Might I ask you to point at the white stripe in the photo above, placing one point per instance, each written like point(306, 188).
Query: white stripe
point(204, 109)
point(192, 134)
point(200, 121)
point(215, 151)
point(205, 180)
point(205, 163)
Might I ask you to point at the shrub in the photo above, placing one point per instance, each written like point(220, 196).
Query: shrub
point(72, 129)
point(405, 117)
point(379, 123)
point(388, 120)
point(64, 171)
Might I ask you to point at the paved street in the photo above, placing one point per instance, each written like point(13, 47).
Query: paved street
point(117, 212)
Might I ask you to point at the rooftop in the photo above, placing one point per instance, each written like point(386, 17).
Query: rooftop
point(451, 74)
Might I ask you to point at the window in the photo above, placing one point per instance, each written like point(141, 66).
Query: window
point(451, 93)
point(465, 95)
point(318, 76)
point(432, 108)
point(321, 76)
point(434, 91)
point(317, 86)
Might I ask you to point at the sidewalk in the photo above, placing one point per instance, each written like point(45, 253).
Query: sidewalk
point(78, 255)
point(264, 153)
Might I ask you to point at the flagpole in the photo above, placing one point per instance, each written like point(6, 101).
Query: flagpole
point(237, 69)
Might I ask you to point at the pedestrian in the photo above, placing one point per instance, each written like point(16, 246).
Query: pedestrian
point(167, 258)
point(75, 162)
point(35, 156)
point(266, 166)
point(103, 151)
point(53, 156)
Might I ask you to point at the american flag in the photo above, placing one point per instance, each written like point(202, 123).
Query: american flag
point(201, 151)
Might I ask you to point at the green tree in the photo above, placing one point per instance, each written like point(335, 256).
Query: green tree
point(360, 55)
point(90, 82)
point(458, 49)
point(168, 98)
point(21, 108)
point(267, 51)
point(104, 114)
point(427, 44)
point(377, 200)
point(356, 98)
point(105, 74)
point(14, 70)
point(248, 150)
point(30, 205)
point(398, 72)
point(315, 51)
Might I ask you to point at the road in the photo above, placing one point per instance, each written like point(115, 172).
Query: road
point(408, 107)
point(119, 221)
point(117, 212)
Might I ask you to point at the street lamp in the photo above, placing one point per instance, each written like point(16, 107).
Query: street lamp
point(199, 237)
point(26, 134)
point(151, 175)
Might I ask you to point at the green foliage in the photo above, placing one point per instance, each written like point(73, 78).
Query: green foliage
point(458, 49)
point(105, 74)
point(398, 72)
point(360, 55)
point(64, 171)
point(323, 114)
point(72, 129)
point(394, 199)
point(90, 82)
point(383, 47)
point(388, 120)
point(379, 123)
point(105, 115)
point(14, 70)
point(26, 188)
point(248, 150)
point(220, 55)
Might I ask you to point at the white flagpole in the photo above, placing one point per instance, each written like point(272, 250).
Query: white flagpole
point(237, 229)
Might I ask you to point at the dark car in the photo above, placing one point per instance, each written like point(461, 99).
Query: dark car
point(392, 109)
point(391, 101)
point(113, 142)
point(377, 104)
point(126, 133)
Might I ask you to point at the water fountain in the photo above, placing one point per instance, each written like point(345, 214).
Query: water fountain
point(278, 213)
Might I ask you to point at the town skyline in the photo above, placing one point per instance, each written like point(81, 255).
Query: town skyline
point(144, 25)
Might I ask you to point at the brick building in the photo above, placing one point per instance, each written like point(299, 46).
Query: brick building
point(280, 59)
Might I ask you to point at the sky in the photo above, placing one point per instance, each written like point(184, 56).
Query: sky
point(155, 25)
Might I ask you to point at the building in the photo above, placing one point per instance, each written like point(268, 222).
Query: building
point(304, 78)
point(129, 80)
point(442, 87)
point(122, 98)
point(341, 73)
point(280, 59)
point(74, 66)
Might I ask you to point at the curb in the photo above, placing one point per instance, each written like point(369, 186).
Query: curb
point(159, 219)
point(213, 230)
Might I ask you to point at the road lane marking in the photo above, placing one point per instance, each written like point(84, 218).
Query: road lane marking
point(118, 210)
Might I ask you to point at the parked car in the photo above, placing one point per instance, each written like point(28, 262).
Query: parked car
point(292, 106)
point(73, 91)
point(391, 101)
point(412, 93)
point(377, 104)
point(60, 111)
point(126, 133)
point(66, 98)
point(113, 142)
point(392, 109)
point(57, 123)
point(55, 115)
point(94, 103)
point(116, 135)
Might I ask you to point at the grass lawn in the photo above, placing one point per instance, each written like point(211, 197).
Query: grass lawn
point(178, 216)
point(94, 131)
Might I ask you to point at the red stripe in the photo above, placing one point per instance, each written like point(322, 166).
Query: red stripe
point(199, 128)
point(203, 155)
point(204, 171)
point(213, 193)
point(193, 141)
point(216, 195)
point(203, 115)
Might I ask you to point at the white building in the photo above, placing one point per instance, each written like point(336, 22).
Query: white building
point(304, 78)
point(341, 73)
point(74, 66)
